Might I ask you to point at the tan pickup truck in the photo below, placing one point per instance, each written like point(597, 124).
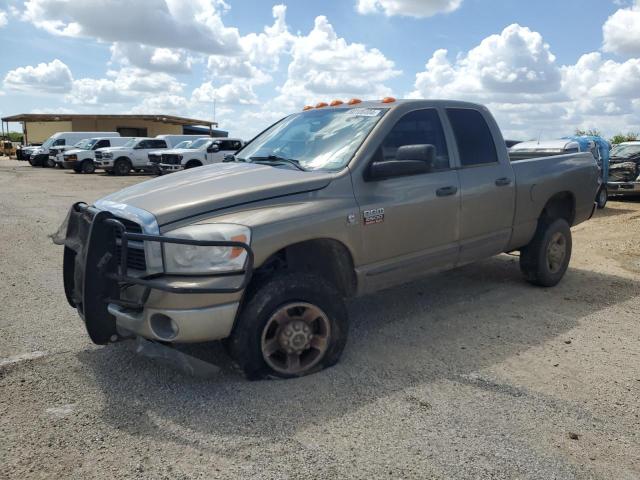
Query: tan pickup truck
point(326, 204)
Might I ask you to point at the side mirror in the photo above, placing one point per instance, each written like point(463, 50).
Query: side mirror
point(396, 168)
point(410, 160)
point(424, 153)
point(213, 149)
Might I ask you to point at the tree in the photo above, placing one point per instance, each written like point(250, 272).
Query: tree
point(625, 137)
point(591, 132)
point(14, 136)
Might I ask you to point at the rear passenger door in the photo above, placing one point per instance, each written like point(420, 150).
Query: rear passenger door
point(487, 184)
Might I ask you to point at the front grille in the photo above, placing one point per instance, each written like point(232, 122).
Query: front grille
point(171, 159)
point(623, 172)
point(136, 259)
point(98, 155)
point(155, 158)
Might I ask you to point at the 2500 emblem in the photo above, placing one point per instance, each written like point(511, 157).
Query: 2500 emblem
point(375, 215)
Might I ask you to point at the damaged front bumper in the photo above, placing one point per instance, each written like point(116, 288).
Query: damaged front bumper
point(116, 303)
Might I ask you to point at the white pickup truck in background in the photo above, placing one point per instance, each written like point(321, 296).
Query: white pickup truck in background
point(204, 151)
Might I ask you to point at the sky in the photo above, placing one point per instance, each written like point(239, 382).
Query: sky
point(544, 68)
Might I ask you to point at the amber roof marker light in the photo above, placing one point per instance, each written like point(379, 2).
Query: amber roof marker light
point(354, 101)
point(307, 107)
point(335, 103)
point(322, 105)
point(388, 100)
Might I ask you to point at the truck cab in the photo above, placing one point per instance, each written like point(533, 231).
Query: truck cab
point(81, 159)
point(133, 155)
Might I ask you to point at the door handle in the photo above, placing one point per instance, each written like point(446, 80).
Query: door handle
point(446, 191)
point(503, 182)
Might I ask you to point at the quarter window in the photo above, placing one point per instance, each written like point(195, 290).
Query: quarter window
point(420, 127)
point(473, 137)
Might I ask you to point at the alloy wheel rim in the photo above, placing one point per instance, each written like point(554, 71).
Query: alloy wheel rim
point(556, 252)
point(295, 338)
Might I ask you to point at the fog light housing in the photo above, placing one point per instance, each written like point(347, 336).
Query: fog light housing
point(163, 327)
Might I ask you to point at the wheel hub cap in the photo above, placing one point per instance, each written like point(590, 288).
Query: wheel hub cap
point(556, 252)
point(295, 338)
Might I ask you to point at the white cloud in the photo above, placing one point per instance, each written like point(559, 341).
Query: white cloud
point(165, 103)
point(53, 77)
point(3, 19)
point(515, 65)
point(517, 77)
point(621, 31)
point(324, 65)
point(126, 85)
point(151, 58)
point(195, 25)
point(266, 48)
point(408, 8)
point(234, 92)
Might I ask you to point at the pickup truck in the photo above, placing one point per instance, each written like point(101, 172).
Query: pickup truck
point(204, 151)
point(130, 156)
point(624, 178)
point(327, 204)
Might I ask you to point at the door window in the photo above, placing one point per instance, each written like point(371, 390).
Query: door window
point(102, 144)
point(420, 127)
point(473, 137)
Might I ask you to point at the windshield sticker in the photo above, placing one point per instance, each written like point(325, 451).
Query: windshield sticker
point(364, 112)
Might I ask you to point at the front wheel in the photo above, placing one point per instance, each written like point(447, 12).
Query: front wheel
point(49, 163)
point(87, 167)
point(546, 259)
point(122, 167)
point(290, 326)
point(603, 196)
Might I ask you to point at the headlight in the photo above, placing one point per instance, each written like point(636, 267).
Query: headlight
point(107, 154)
point(71, 158)
point(194, 259)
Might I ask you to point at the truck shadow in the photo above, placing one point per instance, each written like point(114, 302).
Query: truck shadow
point(444, 327)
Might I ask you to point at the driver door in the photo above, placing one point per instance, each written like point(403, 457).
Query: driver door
point(410, 224)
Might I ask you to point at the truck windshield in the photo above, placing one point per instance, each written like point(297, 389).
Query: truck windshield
point(323, 139)
point(84, 144)
point(199, 143)
point(183, 144)
point(131, 143)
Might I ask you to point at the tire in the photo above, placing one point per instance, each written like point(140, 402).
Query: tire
point(291, 296)
point(87, 167)
point(602, 197)
point(193, 164)
point(122, 167)
point(49, 163)
point(545, 260)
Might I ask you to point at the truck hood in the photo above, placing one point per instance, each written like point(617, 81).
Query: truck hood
point(213, 187)
point(75, 151)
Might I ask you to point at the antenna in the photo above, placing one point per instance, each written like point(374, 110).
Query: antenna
point(539, 135)
point(214, 108)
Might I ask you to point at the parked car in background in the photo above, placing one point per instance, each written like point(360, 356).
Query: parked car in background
point(204, 151)
point(56, 158)
point(624, 169)
point(153, 165)
point(24, 152)
point(326, 204)
point(40, 156)
point(133, 155)
point(81, 159)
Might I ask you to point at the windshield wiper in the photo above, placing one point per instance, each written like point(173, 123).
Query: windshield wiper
point(277, 159)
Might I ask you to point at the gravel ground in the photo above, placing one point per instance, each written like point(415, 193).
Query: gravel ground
point(468, 374)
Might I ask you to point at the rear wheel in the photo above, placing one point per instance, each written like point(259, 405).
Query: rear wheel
point(546, 259)
point(49, 163)
point(290, 326)
point(122, 166)
point(603, 196)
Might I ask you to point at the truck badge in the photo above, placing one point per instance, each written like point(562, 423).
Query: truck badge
point(373, 216)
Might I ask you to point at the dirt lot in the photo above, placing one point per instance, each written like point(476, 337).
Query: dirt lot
point(469, 374)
